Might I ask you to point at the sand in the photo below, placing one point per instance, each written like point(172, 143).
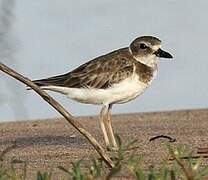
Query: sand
point(46, 144)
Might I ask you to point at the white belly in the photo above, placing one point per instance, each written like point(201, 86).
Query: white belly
point(122, 92)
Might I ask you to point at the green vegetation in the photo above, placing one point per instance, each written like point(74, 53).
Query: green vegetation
point(178, 165)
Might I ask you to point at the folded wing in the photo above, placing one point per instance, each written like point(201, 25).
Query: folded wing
point(100, 73)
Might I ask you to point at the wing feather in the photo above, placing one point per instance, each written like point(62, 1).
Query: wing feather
point(97, 73)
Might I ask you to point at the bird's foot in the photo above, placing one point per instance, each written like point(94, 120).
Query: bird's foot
point(112, 148)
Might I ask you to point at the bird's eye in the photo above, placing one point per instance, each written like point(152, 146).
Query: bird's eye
point(143, 46)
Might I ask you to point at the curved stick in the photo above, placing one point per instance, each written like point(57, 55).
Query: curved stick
point(163, 136)
point(61, 110)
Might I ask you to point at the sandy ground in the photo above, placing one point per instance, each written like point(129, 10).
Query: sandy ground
point(44, 145)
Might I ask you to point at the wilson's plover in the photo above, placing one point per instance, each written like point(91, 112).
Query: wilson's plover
point(117, 77)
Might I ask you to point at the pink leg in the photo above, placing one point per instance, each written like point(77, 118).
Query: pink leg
point(103, 117)
point(109, 126)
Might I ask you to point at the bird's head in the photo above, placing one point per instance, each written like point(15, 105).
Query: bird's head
point(147, 50)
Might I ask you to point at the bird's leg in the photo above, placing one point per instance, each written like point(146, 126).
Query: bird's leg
point(103, 117)
point(109, 126)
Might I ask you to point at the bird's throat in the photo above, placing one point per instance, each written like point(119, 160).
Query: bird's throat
point(149, 61)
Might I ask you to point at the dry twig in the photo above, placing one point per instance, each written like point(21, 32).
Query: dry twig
point(61, 110)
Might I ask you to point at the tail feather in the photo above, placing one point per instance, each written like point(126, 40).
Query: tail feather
point(56, 80)
point(43, 82)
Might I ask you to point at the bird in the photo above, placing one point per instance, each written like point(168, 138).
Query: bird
point(114, 78)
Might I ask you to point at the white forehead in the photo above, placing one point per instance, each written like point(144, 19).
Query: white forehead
point(156, 47)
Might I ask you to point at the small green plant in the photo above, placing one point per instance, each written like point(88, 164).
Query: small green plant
point(11, 172)
point(3, 173)
point(44, 175)
point(189, 168)
point(178, 165)
point(76, 172)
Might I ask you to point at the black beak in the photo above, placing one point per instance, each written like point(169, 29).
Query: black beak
point(162, 54)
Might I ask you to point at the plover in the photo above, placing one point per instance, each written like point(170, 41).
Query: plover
point(114, 78)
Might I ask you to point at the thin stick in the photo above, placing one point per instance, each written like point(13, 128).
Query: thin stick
point(163, 136)
point(61, 110)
